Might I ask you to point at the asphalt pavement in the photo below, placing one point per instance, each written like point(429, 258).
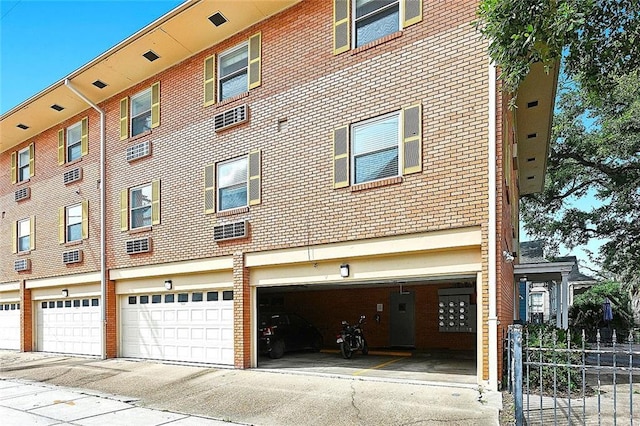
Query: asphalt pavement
point(49, 389)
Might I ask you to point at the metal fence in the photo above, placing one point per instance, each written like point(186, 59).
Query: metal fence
point(559, 378)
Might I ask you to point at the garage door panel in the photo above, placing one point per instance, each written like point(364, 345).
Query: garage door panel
point(184, 331)
point(68, 326)
point(10, 326)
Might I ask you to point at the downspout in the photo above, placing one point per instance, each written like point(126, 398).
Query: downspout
point(492, 318)
point(103, 265)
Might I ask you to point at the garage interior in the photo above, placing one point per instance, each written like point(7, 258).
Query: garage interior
point(411, 333)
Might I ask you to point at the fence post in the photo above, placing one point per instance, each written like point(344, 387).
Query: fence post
point(516, 335)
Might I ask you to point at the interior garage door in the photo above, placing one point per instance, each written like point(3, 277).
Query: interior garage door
point(10, 326)
point(195, 326)
point(70, 326)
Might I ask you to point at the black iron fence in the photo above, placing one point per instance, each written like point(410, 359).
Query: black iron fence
point(557, 377)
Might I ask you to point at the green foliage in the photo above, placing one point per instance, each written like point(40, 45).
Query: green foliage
point(553, 367)
point(601, 38)
point(586, 312)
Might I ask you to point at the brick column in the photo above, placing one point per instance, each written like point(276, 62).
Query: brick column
point(241, 313)
point(111, 338)
point(26, 319)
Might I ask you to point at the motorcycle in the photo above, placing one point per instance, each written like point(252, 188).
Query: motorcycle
point(352, 339)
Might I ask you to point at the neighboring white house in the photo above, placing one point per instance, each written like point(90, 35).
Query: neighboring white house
point(548, 288)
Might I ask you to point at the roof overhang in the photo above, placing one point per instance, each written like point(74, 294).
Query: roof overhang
point(534, 115)
point(544, 271)
point(174, 37)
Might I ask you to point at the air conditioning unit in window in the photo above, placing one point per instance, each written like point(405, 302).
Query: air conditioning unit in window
point(139, 150)
point(73, 256)
point(22, 194)
point(72, 175)
point(140, 245)
point(230, 231)
point(22, 265)
point(230, 117)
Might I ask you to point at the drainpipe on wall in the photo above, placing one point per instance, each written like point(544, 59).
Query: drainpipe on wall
point(493, 318)
point(103, 265)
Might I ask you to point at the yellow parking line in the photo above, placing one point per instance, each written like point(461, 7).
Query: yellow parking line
point(384, 364)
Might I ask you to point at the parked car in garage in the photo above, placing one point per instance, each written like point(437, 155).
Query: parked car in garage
point(286, 332)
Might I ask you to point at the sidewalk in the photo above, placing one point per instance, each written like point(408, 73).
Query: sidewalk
point(86, 391)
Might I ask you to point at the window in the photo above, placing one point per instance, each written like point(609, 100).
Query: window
point(132, 300)
point(227, 295)
point(378, 148)
point(375, 19)
point(232, 69)
point(169, 298)
point(238, 71)
point(141, 112)
point(156, 298)
point(144, 300)
point(196, 297)
point(74, 136)
point(22, 238)
point(74, 223)
point(23, 165)
point(232, 184)
point(375, 149)
point(212, 296)
point(537, 305)
point(183, 297)
point(144, 114)
point(235, 183)
point(140, 206)
point(359, 22)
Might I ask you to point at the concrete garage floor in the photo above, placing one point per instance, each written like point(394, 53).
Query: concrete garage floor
point(438, 366)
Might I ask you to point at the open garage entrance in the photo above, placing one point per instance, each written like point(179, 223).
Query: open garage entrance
point(416, 330)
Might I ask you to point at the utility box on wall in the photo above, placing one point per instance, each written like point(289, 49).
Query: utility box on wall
point(456, 314)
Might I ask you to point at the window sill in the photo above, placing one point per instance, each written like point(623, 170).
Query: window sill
point(73, 163)
point(233, 211)
point(24, 253)
point(136, 137)
point(232, 99)
point(73, 243)
point(139, 230)
point(377, 42)
point(23, 182)
point(376, 184)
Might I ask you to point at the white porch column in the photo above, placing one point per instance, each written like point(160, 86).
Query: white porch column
point(565, 300)
point(557, 288)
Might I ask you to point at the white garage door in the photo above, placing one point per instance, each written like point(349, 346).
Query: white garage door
point(194, 326)
point(70, 326)
point(10, 326)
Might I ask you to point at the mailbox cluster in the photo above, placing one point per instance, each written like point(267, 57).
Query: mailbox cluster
point(456, 314)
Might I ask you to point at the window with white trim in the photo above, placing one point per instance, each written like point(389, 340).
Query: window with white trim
point(375, 145)
point(141, 112)
point(24, 158)
point(537, 302)
point(73, 221)
point(232, 71)
point(140, 202)
point(374, 19)
point(24, 235)
point(73, 142)
point(232, 184)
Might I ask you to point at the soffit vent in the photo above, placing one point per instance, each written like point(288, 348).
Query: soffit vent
point(73, 256)
point(72, 175)
point(22, 194)
point(230, 231)
point(230, 118)
point(140, 245)
point(138, 151)
point(22, 265)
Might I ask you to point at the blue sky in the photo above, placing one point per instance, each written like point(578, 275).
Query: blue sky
point(43, 41)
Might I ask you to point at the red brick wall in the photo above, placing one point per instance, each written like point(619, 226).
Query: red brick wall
point(26, 319)
point(111, 306)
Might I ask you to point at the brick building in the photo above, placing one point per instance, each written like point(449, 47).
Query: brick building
point(331, 158)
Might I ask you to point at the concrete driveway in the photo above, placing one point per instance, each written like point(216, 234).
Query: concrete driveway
point(257, 396)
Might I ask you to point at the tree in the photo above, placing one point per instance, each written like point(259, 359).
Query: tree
point(595, 147)
point(600, 39)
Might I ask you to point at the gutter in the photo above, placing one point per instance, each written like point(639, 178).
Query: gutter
point(103, 265)
point(492, 321)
